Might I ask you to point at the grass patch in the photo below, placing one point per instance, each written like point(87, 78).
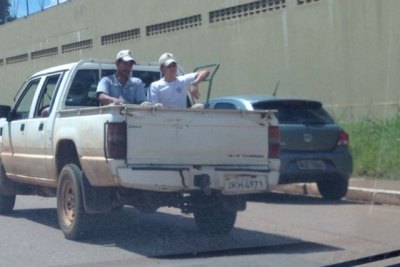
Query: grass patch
point(375, 146)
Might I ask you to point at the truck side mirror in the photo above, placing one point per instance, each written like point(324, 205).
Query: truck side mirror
point(4, 111)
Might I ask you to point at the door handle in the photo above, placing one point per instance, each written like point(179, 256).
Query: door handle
point(41, 126)
point(22, 127)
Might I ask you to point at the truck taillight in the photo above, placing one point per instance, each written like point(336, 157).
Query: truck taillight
point(343, 139)
point(274, 142)
point(116, 140)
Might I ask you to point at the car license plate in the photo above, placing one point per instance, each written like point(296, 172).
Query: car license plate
point(242, 184)
point(311, 165)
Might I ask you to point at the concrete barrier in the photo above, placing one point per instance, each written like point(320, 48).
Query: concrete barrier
point(373, 196)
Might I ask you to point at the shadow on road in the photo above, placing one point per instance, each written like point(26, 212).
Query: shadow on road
point(46, 216)
point(282, 198)
point(166, 235)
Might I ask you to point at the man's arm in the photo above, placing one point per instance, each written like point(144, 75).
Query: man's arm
point(199, 77)
point(103, 93)
point(105, 99)
point(152, 94)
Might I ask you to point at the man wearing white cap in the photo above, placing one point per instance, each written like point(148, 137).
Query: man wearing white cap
point(121, 87)
point(172, 90)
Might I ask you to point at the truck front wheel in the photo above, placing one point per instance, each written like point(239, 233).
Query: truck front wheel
point(7, 201)
point(71, 214)
point(215, 219)
point(6, 204)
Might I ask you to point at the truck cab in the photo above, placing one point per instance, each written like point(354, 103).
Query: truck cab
point(32, 114)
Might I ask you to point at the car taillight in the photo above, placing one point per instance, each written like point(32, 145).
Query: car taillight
point(274, 142)
point(116, 140)
point(343, 139)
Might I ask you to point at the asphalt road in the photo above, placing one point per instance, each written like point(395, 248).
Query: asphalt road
point(275, 230)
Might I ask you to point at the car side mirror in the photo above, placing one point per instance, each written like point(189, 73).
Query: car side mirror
point(4, 111)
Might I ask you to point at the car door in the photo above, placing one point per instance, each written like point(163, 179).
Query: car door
point(38, 142)
point(16, 160)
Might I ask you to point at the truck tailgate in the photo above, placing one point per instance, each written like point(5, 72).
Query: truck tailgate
point(191, 137)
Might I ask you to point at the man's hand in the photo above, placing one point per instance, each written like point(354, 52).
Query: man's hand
point(109, 100)
point(117, 101)
point(194, 91)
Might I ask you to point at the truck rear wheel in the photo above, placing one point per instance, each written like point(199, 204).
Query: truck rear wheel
point(215, 219)
point(71, 214)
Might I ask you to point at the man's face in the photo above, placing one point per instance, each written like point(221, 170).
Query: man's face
point(124, 67)
point(170, 70)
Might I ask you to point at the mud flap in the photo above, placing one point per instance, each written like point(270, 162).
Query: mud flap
point(234, 203)
point(97, 199)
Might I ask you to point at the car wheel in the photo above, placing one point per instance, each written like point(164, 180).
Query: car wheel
point(333, 188)
point(215, 219)
point(71, 214)
point(6, 204)
point(7, 201)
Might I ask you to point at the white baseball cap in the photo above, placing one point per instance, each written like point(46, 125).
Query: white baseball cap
point(166, 59)
point(125, 55)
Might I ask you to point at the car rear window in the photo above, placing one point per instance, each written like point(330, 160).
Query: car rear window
point(297, 112)
point(147, 77)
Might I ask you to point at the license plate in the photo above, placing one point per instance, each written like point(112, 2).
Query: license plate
point(243, 184)
point(311, 165)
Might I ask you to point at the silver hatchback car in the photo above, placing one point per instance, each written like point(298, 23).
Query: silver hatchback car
point(314, 148)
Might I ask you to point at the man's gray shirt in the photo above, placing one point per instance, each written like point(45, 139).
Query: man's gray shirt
point(133, 92)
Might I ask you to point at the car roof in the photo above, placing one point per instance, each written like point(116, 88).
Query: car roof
point(95, 64)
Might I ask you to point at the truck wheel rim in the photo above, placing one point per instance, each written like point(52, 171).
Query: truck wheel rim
point(69, 203)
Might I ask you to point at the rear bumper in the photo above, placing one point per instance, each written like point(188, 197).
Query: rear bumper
point(337, 163)
point(186, 179)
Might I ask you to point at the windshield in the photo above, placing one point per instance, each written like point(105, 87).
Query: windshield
point(178, 167)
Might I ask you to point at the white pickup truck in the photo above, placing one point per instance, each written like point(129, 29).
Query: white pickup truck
point(56, 141)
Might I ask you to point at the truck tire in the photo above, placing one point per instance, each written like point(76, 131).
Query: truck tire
point(6, 204)
point(333, 188)
point(215, 219)
point(72, 218)
point(7, 201)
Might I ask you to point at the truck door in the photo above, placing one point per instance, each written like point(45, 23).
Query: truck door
point(39, 152)
point(16, 161)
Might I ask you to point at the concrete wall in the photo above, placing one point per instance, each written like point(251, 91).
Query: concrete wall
point(343, 52)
